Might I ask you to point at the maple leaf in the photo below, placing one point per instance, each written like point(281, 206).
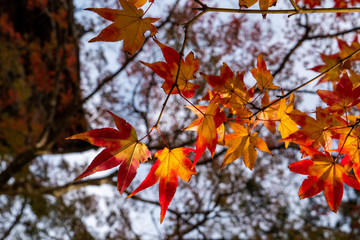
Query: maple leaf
point(138, 3)
point(262, 75)
point(171, 164)
point(242, 143)
point(286, 126)
point(331, 60)
point(168, 71)
point(346, 49)
point(264, 4)
point(343, 97)
point(129, 25)
point(269, 115)
point(349, 144)
point(122, 148)
point(230, 87)
point(314, 132)
point(324, 175)
point(355, 78)
point(206, 126)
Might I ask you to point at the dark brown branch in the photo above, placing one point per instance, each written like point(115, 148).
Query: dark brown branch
point(16, 221)
point(334, 34)
point(16, 165)
point(305, 38)
point(61, 190)
point(293, 49)
point(32, 188)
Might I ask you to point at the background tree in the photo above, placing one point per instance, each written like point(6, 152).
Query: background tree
point(43, 101)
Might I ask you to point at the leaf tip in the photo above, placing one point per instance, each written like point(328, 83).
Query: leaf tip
point(95, 39)
point(130, 195)
point(77, 178)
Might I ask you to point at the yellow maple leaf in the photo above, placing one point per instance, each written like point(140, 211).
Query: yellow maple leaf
point(286, 126)
point(242, 143)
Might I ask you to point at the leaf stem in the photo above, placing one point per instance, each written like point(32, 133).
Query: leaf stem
point(147, 9)
point(166, 143)
point(193, 105)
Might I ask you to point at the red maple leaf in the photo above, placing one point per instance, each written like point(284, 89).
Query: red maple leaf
point(343, 97)
point(333, 59)
point(324, 175)
point(169, 69)
point(122, 148)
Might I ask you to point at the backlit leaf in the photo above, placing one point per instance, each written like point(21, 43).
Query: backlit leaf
point(122, 148)
point(262, 75)
point(171, 164)
point(168, 71)
point(206, 126)
point(324, 174)
point(242, 143)
point(129, 25)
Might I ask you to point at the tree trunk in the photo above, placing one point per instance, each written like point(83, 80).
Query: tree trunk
point(40, 98)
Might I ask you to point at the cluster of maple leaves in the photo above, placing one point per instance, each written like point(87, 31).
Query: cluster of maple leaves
point(233, 104)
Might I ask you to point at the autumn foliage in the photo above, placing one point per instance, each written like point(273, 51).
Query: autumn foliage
point(231, 113)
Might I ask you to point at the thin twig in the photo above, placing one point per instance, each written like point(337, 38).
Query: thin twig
point(16, 221)
point(279, 11)
point(341, 62)
point(297, 8)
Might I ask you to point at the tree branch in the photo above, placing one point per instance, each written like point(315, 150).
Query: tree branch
point(293, 49)
point(16, 165)
point(16, 221)
point(279, 11)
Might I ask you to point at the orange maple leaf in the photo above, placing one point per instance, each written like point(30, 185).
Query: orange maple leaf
point(122, 148)
point(264, 4)
point(230, 87)
point(324, 174)
point(206, 126)
point(314, 132)
point(171, 164)
point(242, 143)
point(269, 115)
point(138, 3)
point(262, 75)
point(129, 25)
point(168, 71)
point(343, 97)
